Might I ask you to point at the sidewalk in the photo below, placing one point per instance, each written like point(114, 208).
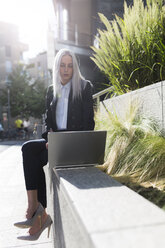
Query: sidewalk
point(13, 199)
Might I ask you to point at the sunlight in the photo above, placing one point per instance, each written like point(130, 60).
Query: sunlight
point(32, 19)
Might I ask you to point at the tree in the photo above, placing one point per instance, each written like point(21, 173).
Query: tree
point(36, 99)
point(26, 99)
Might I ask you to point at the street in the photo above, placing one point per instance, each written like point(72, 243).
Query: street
point(13, 198)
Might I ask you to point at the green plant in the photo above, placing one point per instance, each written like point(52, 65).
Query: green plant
point(26, 98)
point(135, 149)
point(132, 50)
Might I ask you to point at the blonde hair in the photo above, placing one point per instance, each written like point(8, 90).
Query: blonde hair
point(76, 78)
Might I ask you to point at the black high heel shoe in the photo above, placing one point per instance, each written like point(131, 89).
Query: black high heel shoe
point(29, 222)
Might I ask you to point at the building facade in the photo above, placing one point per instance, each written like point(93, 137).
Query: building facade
point(38, 68)
point(76, 24)
point(11, 50)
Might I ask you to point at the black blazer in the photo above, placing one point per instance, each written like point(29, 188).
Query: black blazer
point(80, 111)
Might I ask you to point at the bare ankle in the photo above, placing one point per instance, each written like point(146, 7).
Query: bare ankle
point(32, 207)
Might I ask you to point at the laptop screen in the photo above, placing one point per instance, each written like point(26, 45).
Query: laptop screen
point(76, 148)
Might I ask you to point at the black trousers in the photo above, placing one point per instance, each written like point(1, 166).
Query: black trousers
point(35, 156)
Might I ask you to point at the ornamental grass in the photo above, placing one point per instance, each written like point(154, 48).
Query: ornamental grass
point(131, 49)
point(135, 149)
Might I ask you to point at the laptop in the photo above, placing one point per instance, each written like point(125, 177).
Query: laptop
point(76, 148)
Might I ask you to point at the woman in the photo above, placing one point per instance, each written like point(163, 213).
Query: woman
point(71, 110)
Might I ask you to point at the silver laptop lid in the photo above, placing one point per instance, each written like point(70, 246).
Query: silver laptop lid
point(77, 148)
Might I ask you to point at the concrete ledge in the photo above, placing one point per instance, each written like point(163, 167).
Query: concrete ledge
point(91, 210)
point(150, 99)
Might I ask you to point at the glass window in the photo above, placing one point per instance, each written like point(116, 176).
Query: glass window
point(21, 56)
point(8, 66)
point(65, 23)
point(8, 51)
point(39, 65)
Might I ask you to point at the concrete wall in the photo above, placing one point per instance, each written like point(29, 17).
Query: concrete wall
point(151, 101)
point(91, 210)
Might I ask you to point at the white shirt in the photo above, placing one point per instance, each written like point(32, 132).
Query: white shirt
point(26, 123)
point(62, 107)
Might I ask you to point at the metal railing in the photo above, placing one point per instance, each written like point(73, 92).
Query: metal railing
point(69, 33)
point(101, 93)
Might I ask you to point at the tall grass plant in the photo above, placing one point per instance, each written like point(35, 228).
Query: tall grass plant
point(135, 148)
point(132, 49)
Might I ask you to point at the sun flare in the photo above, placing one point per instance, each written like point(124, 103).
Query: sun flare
point(31, 17)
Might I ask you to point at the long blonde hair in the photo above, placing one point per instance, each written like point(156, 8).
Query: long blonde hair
point(76, 78)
